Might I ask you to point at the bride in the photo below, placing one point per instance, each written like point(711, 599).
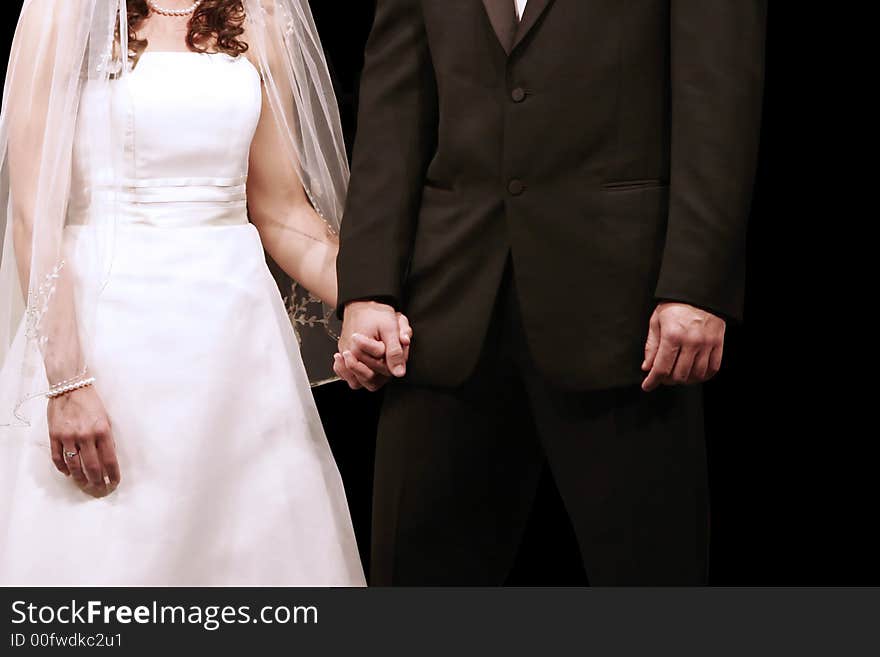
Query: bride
point(161, 429)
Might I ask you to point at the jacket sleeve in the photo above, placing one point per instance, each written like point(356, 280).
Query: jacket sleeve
point(717, 71)
point(396, 138)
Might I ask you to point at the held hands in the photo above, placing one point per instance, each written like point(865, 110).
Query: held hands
point(374, 346)
point(685, 345)
point(82, 443)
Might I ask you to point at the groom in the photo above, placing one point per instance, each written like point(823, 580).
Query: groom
point(555, 193)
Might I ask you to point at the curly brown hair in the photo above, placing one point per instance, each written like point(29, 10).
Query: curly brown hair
point(215, 26)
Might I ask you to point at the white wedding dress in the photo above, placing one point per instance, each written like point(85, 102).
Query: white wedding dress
point(227, 477)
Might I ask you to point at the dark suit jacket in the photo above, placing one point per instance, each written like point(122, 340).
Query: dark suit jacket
point(611, 153)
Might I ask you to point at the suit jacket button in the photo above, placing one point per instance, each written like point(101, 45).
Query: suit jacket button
point(516, 187)
point(518, 95)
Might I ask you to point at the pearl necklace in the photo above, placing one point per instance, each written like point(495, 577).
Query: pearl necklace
point(174, 12)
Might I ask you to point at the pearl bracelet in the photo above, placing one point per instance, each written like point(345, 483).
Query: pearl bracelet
point(70, 386)
point(76, 377)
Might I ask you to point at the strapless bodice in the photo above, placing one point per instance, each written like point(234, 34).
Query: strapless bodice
point(184, 123)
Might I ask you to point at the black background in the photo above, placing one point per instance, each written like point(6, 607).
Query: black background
point(786, 501)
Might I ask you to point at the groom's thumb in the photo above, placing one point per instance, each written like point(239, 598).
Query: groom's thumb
point(393, 350)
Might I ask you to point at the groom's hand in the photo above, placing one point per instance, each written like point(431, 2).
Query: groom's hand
point(684, 345)
point(374, 345)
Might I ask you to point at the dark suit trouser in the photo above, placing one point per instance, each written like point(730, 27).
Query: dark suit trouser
point(457, 471)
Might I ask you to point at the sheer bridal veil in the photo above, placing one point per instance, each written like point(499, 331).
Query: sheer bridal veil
point(60, 148)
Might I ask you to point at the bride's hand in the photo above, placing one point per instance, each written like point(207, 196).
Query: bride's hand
point(363, 361)
point(82, 442)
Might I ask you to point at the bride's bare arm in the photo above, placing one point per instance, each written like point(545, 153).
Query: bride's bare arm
point(296, 237)
point(39, 148)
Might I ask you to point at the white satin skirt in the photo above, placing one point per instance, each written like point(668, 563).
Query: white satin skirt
point(227, 476)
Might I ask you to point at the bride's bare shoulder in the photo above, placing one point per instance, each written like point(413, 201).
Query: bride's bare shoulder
point(50, 12)
point(261, 32)
point(45, 22)
point(248, 37)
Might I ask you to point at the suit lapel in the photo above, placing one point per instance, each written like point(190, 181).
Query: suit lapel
point(534, 10)
point(502, 15)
